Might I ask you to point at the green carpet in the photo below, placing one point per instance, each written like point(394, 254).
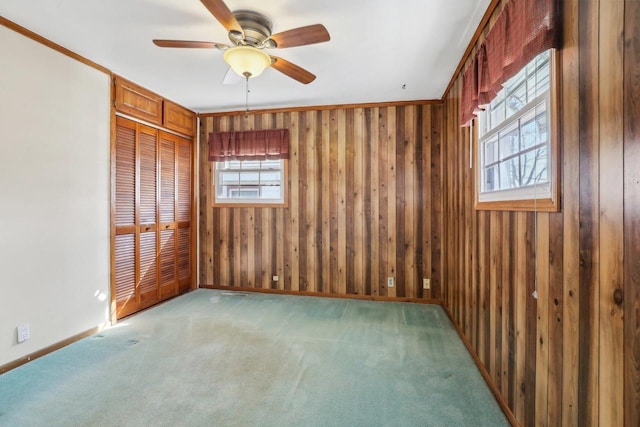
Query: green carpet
point(212, 359)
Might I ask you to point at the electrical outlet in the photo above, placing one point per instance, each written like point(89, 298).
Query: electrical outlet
point(276, 278)
point(23, 332)
point(426, 284)
point(390, 282)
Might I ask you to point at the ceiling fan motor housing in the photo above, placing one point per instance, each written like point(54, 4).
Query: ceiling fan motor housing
point(256, 27)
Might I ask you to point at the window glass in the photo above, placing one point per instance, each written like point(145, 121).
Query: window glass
point(249, 181)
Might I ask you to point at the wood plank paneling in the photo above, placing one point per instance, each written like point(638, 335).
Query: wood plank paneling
point(356, 209)
point(570, 356)
point(611, 216)
point(629, 298)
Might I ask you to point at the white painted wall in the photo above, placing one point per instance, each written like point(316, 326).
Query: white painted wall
point(54, 195)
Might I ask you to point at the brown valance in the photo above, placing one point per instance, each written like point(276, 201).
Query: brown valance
point(523, 30)
point(269, 144)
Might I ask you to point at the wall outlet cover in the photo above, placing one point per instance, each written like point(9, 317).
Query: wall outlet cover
point(23, 332)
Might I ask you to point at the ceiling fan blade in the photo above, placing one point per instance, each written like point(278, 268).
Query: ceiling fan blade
point(222, 13)
point(301, 36)
point(292, 70)
point(189, 44)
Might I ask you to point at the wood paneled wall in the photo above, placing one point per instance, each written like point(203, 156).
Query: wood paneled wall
point(364, 204)
point(571, 357)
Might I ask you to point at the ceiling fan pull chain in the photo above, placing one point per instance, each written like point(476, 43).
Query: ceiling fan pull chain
point(246, 113)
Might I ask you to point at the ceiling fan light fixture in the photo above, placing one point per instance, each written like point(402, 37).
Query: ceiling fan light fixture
point(247, 61)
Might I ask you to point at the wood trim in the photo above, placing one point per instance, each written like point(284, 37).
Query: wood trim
point(50, 349)
point(112, 207)
point(529, 205)
point(483, 371)
point(42, 40)
point(153, 125)
point(324, 107)
point(195, 206)
point(322, 295)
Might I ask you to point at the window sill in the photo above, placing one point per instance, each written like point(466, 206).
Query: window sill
point(249, 205)
point(528, 205)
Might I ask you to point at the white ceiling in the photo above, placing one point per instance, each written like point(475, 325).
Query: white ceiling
point(376, 47)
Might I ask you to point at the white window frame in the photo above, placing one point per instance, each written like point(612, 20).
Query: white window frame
point(252, 187)
point(538, 196)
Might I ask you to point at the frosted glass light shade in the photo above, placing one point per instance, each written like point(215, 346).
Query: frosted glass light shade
point(247, 59)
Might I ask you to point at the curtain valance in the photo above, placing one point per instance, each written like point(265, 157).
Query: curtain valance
point(269, 144)
point(523, 30)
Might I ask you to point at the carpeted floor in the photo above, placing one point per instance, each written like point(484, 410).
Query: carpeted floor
point(213, 359)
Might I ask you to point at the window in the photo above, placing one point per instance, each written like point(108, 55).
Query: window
point(254, 182)
point(516, 154)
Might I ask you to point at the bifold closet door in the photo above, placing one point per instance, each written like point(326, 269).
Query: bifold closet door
point(175, 215)
point(136, 241)
point(183, 213)
point(152, 218)
point(168, 282)
point(124, 245)
point(148, 213)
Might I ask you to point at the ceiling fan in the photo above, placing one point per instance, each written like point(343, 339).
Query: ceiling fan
point(250, 33)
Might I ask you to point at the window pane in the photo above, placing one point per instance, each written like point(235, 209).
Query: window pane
point(271, 192)
point(229, 164)
point(534, 166)
point(249, 178)
point(491, 151)
point(529, 130)
point(271, 164)
point(516, 100)
point(509, 141)
point(541, 124)
point(250, 164)
point(497, 115)
point(491, 179)
point(510, 174)
point(270, 178)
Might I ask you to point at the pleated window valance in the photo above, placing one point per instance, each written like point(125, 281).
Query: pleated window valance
point(272, 144)
point(524, 29)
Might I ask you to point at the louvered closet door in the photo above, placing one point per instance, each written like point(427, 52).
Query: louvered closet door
point(175, 215)
point(183, 206)
point(124, 245)
point(167, 255)
point(152, 221)
point(147, 226)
